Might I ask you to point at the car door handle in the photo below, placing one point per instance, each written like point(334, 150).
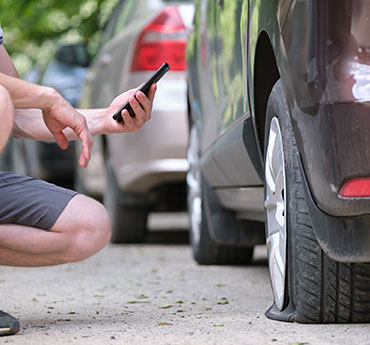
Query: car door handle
point(90, 77)
point(105, 60)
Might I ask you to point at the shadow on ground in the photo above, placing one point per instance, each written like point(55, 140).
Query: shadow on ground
point(168, 237)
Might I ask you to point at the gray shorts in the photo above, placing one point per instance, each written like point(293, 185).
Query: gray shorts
point(32, 202)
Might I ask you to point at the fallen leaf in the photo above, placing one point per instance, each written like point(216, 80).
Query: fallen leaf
point(164, 324)
point(141, 296)
point(64, 320)
point(135, 302)
point(206, 308)
point(166, 306)
point(218, 325)
point(223, 300)
point(99, 296)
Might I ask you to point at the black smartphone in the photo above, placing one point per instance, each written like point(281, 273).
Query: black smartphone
point(161, 71)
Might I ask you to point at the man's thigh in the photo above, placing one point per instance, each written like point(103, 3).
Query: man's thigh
point(31, 202)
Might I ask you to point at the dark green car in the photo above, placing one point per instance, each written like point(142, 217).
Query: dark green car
point(279, 96)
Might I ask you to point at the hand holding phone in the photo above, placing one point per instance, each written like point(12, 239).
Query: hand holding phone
point(145, 88)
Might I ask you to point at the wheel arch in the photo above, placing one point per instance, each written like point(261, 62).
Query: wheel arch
point(266, 74)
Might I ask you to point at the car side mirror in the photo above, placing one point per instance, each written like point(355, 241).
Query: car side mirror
point(74, 54)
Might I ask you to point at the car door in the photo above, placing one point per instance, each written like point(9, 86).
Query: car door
point(234, 149)
point(229, 62)
point(206, 89)
point(110, 64)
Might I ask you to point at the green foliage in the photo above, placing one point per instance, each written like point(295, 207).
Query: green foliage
point(34, 28)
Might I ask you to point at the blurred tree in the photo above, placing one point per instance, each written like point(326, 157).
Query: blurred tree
point(34, 28)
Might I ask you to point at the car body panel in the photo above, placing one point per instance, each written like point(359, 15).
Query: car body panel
point(322, 54)
point(325, 84)
point(157, 153)
point(162, 139)
point(330, 79)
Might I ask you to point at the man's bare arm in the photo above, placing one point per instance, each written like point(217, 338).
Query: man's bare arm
point(7, 66)
point(29, 123)
point(28, 95)
point(55, 119)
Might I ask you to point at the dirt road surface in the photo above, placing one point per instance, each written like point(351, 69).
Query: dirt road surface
point(154, 293)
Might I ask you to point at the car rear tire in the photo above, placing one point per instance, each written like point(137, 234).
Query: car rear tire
point(128, 213)
point(205, 250)
point(311, 287)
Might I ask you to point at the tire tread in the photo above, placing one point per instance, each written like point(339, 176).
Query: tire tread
point(320, 289)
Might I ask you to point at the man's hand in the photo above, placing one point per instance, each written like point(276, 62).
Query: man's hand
point(142, 106)
point(61, 115)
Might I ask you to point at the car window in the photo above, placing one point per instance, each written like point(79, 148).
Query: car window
point(112, 22)
point(125, 15)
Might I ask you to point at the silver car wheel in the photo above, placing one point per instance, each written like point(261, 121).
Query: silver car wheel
point(193, 180)
point(275, 204)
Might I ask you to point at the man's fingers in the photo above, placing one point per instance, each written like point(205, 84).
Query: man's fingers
point(152, 92)
point(86, 139)
point(138, 110)
point(145, 103)
point(129, 121)
point(61, 140)
point(86, 147)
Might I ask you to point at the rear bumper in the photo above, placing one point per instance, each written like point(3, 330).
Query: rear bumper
point(344, 239)
point(142, 176)
point(335, 147)
point(156, 154)
point(328, 54)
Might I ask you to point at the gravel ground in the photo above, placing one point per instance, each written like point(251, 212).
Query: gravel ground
point(154, 294)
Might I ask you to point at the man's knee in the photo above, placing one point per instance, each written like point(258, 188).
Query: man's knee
point(6, 116)
point(6, 106)
point(89, 228)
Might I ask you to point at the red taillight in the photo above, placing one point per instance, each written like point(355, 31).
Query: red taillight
point(164, 39)
point(356, 188)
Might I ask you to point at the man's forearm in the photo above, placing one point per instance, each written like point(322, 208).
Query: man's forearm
point(29, 124)
point(28, 95)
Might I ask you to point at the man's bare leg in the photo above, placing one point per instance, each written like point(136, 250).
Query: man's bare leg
point(82, 229)
point(8, 324)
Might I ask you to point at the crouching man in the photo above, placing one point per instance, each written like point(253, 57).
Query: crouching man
point(42, 224)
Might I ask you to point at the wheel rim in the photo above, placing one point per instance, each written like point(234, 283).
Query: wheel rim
point(193, 180)
point(275, 204)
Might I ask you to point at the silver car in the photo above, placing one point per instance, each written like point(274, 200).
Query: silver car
point(137, 173)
